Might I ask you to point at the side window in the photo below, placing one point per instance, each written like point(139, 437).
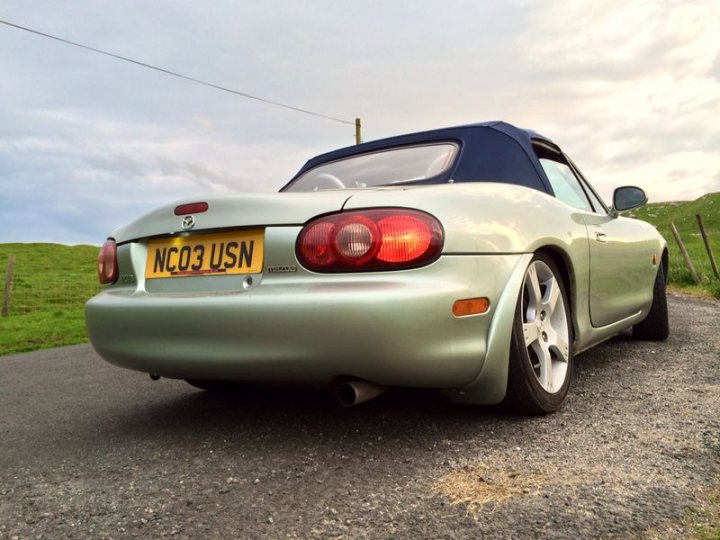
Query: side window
point(595, 200)
point(565, 185)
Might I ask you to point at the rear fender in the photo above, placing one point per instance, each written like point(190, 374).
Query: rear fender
point(490, 384)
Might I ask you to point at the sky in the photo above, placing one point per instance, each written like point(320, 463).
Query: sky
point(629, 89)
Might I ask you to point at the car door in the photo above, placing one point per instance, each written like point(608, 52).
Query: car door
point(620, 257)
point(616, 249)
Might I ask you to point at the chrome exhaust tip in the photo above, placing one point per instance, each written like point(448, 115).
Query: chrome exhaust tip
point(351, 393)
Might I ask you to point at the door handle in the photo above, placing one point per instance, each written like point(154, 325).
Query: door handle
point(601, 237)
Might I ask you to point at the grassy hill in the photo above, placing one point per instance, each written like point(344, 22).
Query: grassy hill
point(51, 283)
point(683, 215)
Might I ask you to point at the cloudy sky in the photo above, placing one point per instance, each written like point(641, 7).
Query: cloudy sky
point(630, 89)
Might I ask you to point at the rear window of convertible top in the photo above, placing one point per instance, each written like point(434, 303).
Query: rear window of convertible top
point(398, 165)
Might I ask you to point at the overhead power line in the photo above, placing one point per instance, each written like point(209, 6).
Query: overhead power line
point(175, 74)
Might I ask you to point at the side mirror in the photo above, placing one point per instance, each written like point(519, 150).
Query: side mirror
point(627, 198)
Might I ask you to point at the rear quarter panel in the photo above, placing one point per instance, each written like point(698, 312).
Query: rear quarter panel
point(494, 218)
point(486, 217)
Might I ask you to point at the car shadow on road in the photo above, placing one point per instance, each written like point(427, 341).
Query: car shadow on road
point(278, 414)
point(275, 418)
point(617, 352)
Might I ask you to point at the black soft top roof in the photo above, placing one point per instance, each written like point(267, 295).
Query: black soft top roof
point(489, 151)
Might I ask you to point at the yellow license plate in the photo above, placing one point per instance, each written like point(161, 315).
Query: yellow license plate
point(220, 254)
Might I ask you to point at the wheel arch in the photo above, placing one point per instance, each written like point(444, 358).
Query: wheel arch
point(490, 386)
point(567, 270)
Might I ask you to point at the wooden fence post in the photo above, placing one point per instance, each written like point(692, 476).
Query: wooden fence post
point(8, 286)
point(707, 245)
point(688, 262)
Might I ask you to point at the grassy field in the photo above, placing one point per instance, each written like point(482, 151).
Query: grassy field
point(51, 283)
point(683, 215)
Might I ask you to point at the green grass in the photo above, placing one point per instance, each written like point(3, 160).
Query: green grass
point(683, 215)
point(706, 520)
point(51, 283)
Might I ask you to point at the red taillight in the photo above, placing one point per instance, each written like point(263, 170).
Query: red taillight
point(192, 208)
point(107, 269)
point(404, 238)
point(367, 240)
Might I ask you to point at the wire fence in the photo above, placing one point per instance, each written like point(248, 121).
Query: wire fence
point(46, 278)
point(57, 293)
point(693, 250)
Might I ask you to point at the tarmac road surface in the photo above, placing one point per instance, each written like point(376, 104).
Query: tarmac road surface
point(88, 450)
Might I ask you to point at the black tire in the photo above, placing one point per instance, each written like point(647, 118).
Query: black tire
point(215, 387)
point(526, 393)
point(656, 326)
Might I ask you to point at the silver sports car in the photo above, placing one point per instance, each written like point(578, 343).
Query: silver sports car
point(474, 259)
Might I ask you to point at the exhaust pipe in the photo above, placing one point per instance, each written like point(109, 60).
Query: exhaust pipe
point(353, 392)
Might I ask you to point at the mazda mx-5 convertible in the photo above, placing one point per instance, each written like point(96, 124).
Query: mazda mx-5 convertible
point(476, 259)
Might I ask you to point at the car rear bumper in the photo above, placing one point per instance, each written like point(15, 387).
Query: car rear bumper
point(391, 328)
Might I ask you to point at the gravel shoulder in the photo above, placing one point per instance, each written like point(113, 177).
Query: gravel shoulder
point(90, 450)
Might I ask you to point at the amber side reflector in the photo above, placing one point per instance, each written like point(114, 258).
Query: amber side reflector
point(192, 208)
point(470, 306)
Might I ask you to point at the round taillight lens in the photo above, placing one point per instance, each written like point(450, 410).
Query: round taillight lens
point(356, 241)
point(107, 269)
point(370, 240)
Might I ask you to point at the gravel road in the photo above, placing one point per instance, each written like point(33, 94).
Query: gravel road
point(90, 450)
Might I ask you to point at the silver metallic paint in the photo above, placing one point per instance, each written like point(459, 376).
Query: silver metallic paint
point(391, 328)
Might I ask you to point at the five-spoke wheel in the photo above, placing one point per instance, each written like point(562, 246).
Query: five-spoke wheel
point(541, 348)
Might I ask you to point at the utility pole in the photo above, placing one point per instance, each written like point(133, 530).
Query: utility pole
point(358, 135)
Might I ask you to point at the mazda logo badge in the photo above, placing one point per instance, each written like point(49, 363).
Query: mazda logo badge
point(188, 222)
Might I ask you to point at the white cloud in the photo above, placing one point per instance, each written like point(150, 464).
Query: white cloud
point(124, 168)
point(628, 89)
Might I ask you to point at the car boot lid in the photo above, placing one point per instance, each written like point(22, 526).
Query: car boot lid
point(233, 211)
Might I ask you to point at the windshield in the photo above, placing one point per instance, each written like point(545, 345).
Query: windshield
point(387, 167)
